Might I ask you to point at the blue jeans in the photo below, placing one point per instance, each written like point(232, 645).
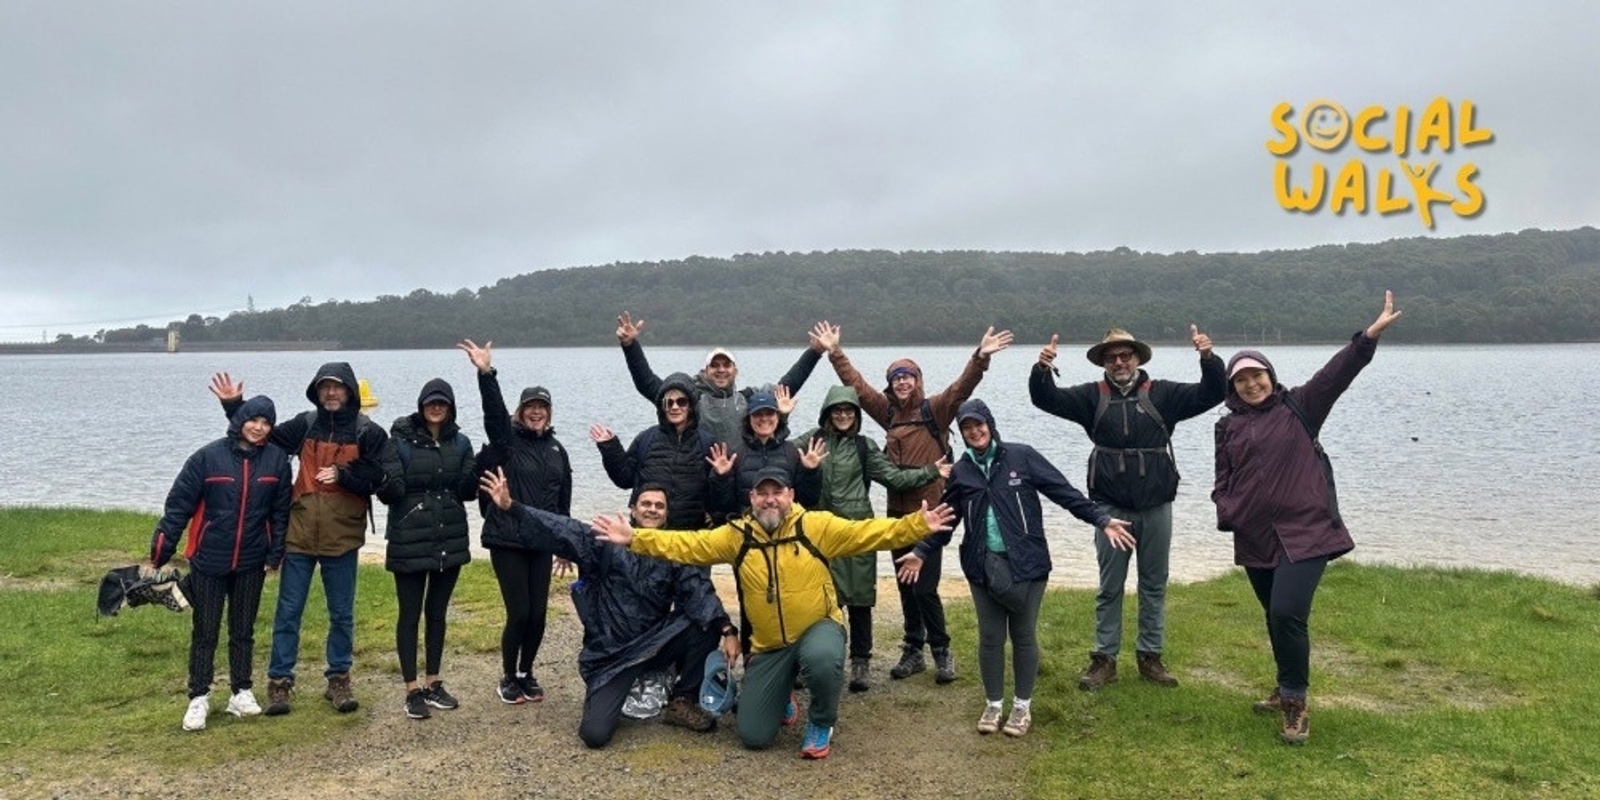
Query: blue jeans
point(1152, 530)
point(294, 583)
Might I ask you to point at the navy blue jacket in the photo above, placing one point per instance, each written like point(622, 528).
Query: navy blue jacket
point(630, 605)
point(1015, 480)
point(234, 500)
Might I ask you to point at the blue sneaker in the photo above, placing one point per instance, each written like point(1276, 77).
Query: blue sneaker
point(791, 712)
point(818, 742)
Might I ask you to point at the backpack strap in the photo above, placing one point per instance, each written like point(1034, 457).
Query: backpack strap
point(861, 459)
point(1148, 406)
point(927, 420)
point(749, 543)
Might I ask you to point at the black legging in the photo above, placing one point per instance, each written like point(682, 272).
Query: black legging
point(422, 595)
point(921, 606)
point(242, 593)
point(1285, 594)
point(860, 631)
point(524, 577)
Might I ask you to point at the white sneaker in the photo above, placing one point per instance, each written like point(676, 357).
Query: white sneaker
point(194, 719)
point(243, 704)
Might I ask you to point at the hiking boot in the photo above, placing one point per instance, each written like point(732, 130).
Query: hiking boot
point(910, 664)
point(416, 704)
point(531, 688)
point(818, 742)
point(684, 712)
point(944, 666)
point(278, 696)
point(1101, 672)
point(439, 698)
point(243, 704)
point(194, 717)
point(791, 712)
point(1020, 721)
point(989, 722)
point(1296, 720)
point(511, 692)
point(860, 674)
point(1152, 670)
point(340, 695)
point(1273, 704)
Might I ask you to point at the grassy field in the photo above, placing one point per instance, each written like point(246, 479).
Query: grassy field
point(1426, 683)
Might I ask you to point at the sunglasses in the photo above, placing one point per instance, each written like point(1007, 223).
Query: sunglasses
point(675, 402)
point(1125, 355)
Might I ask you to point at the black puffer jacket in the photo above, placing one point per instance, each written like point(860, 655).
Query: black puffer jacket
point(234, 499)
point(427, 483)
point(661, 456)
point(731, 493)
point(536, 465)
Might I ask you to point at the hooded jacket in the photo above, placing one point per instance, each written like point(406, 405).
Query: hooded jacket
point(1132, 465)
point(330, 520)
point(234, 498)
point(720, 410)
point(730, 493)
point(1270, 489)
point(909, 442)
point(630, 606)
point(845, 474)
point(1009, 487)
point(428, 481)
point(662, 455)
point(784, 588)
point(536, 465)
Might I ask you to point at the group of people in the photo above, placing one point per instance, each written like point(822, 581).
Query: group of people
point(719, 480)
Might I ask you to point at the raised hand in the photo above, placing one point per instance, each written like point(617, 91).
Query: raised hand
point(824, 336)
point(1047, 354)
point(812, 456)
point(600, 434)
point(721, 460)
point(939, 518)
point(910, 567)
point(481, 357)
point(943, 465)
point(225, 389)
point(785, 399)
point(1386, 317)
point(613, 528)
point(1201, 342)
point(1119, 535)
point(994, 342)
point(628, 329)
point(494, 485)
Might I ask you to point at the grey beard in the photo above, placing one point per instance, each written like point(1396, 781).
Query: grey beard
point(770, 519)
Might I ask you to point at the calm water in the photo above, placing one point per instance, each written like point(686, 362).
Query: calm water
point(1443, 454)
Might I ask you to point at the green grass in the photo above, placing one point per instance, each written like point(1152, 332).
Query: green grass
point(1425, 683)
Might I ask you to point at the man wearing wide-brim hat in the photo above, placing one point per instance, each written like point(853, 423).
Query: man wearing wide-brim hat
point(1133, 476)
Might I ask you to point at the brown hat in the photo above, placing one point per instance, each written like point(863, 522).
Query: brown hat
point(1118, 336)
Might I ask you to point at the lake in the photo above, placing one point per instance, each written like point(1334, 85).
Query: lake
point(1440, 456)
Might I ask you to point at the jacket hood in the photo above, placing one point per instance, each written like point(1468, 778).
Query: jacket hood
point(258, 406)
point(682, 383)
point(433, 390)
point(888, 383)
point(977, 408)
point(341, 372)
point(839, 395)
point(1231, 398)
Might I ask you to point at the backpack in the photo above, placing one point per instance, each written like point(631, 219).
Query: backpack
point(926, 418)
point(749, 544)
point(1142, 398)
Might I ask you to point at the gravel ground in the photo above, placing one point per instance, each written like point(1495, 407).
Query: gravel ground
point(902, 739)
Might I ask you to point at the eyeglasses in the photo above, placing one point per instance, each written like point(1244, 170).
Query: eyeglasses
point(845, 411)
point(1120, 355)
point(675, 402)
point(904, 377)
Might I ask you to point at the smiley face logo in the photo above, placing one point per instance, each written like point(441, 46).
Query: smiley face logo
point(1325, 125)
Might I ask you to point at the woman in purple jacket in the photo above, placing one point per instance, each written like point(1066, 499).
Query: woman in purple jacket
point(1274, 491)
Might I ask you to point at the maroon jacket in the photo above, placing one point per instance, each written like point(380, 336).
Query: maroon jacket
point(1270, 490)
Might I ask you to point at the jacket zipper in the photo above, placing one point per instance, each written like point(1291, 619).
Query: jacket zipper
point(244, 502)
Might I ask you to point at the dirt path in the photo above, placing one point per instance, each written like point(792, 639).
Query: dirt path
point(902, 739)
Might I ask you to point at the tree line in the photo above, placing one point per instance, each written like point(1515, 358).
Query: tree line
point(1532, 286)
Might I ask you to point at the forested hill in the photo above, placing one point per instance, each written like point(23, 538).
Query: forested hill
point(1533, 286)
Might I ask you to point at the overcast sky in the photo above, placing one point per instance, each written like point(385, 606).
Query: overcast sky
point(165, 158)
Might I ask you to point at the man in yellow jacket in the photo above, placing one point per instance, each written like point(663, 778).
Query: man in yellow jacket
point(780, 554)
